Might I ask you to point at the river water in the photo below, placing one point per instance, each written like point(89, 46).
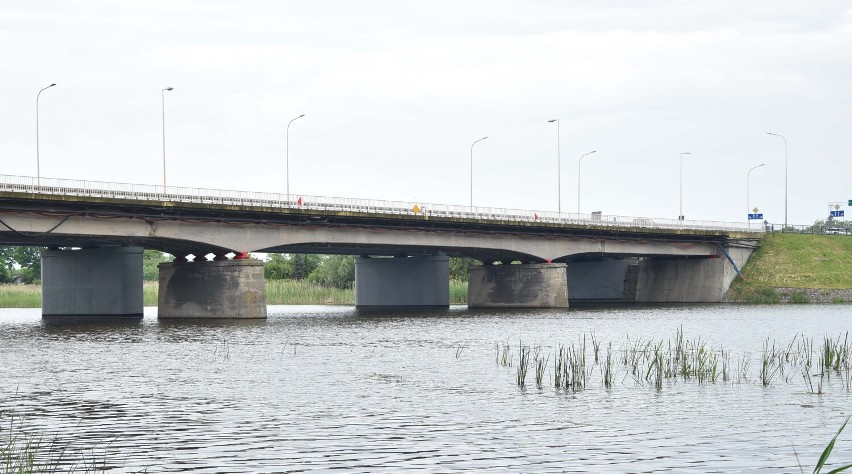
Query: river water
point(321, 388)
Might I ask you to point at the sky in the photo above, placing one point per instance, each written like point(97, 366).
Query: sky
point(394, 94)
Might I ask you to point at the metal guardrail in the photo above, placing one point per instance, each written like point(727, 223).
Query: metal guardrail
point(103, 189)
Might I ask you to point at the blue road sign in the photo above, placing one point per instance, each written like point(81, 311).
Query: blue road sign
point(753, 217)
point(836, 213)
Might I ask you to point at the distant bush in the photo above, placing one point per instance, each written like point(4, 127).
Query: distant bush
point(762, 296)
point(337, 271)
point(799, 298)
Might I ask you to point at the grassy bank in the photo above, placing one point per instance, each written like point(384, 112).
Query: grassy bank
point(277, 292)
point(796, 268)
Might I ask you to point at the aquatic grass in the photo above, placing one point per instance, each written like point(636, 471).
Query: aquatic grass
point(823, 458)
point(651, 362)
point(505, 355)
point(540, 367)
point(523, 363)
point(767, 372)
point(607, 369)
point(25, 450)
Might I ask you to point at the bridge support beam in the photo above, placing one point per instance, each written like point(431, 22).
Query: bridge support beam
point(105, 282)
point(229, 289)
point(536, 285)
point(402, 282)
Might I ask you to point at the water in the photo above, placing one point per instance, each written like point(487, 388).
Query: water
point(319, 388)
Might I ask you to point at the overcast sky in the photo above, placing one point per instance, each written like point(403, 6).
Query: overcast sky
point(395, 92)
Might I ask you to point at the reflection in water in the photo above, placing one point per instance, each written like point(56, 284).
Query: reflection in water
point(332, 387)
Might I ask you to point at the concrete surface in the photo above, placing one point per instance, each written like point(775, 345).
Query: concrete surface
point(402, 281)
point(537, 285)
point(230, 289)
point(92, 282)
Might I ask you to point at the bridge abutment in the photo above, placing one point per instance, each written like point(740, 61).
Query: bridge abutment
point(692, 280)
point(226, 289)
point(104, 282)
point(402, 282)
point(536, 285)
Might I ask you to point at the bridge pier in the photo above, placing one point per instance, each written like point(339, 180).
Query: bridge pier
point(535, 285)
point(105, 282)
point(227, 289)
point(402, 282)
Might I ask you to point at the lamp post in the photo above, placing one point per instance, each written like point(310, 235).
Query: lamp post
point(680, 215)
point(785, 174)
point(471, 169)
point(38, 155)
point(163, 97)
point(558, 167)
point(579, 169)
point(748, 187)
point(287, 145)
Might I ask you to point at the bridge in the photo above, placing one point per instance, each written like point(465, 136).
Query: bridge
point(96, 232)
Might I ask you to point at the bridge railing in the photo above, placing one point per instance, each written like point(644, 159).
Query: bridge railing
point(104, 189)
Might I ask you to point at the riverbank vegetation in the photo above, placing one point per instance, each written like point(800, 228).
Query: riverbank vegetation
point(277, 292)
point(797, 268)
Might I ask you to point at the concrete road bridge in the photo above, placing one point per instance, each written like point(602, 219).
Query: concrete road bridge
point(96, 232)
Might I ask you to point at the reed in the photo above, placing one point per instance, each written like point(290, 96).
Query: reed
point(24, 451)
point(608, 369)
point(767, 373)
point(692, 360)
point(523, 363)
point(305, 292)
point(823, 458)
point(506, 355)
point(20, 296)
point(458, 292)
point(540, 367)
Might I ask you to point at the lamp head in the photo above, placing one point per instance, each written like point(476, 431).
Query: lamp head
point(51, 85)
point(169, 89)
point(552, 120)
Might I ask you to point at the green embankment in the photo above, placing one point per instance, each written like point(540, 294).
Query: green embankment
point(795, 267)
point(277, 292)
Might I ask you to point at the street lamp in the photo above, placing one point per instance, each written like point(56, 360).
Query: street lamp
point(579, 169)
point(163, 97)
point(785, 174)
point(288, 153)
point(471, 169)
point(748, 190)
point(38, 156)
point(558, 166)
point(680, 215)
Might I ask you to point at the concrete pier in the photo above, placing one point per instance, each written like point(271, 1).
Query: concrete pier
point(230, 289)
point(402, 282)
point(103, 281)
point(537, 285)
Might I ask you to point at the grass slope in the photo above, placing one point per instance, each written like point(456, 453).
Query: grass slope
point(796, 261)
